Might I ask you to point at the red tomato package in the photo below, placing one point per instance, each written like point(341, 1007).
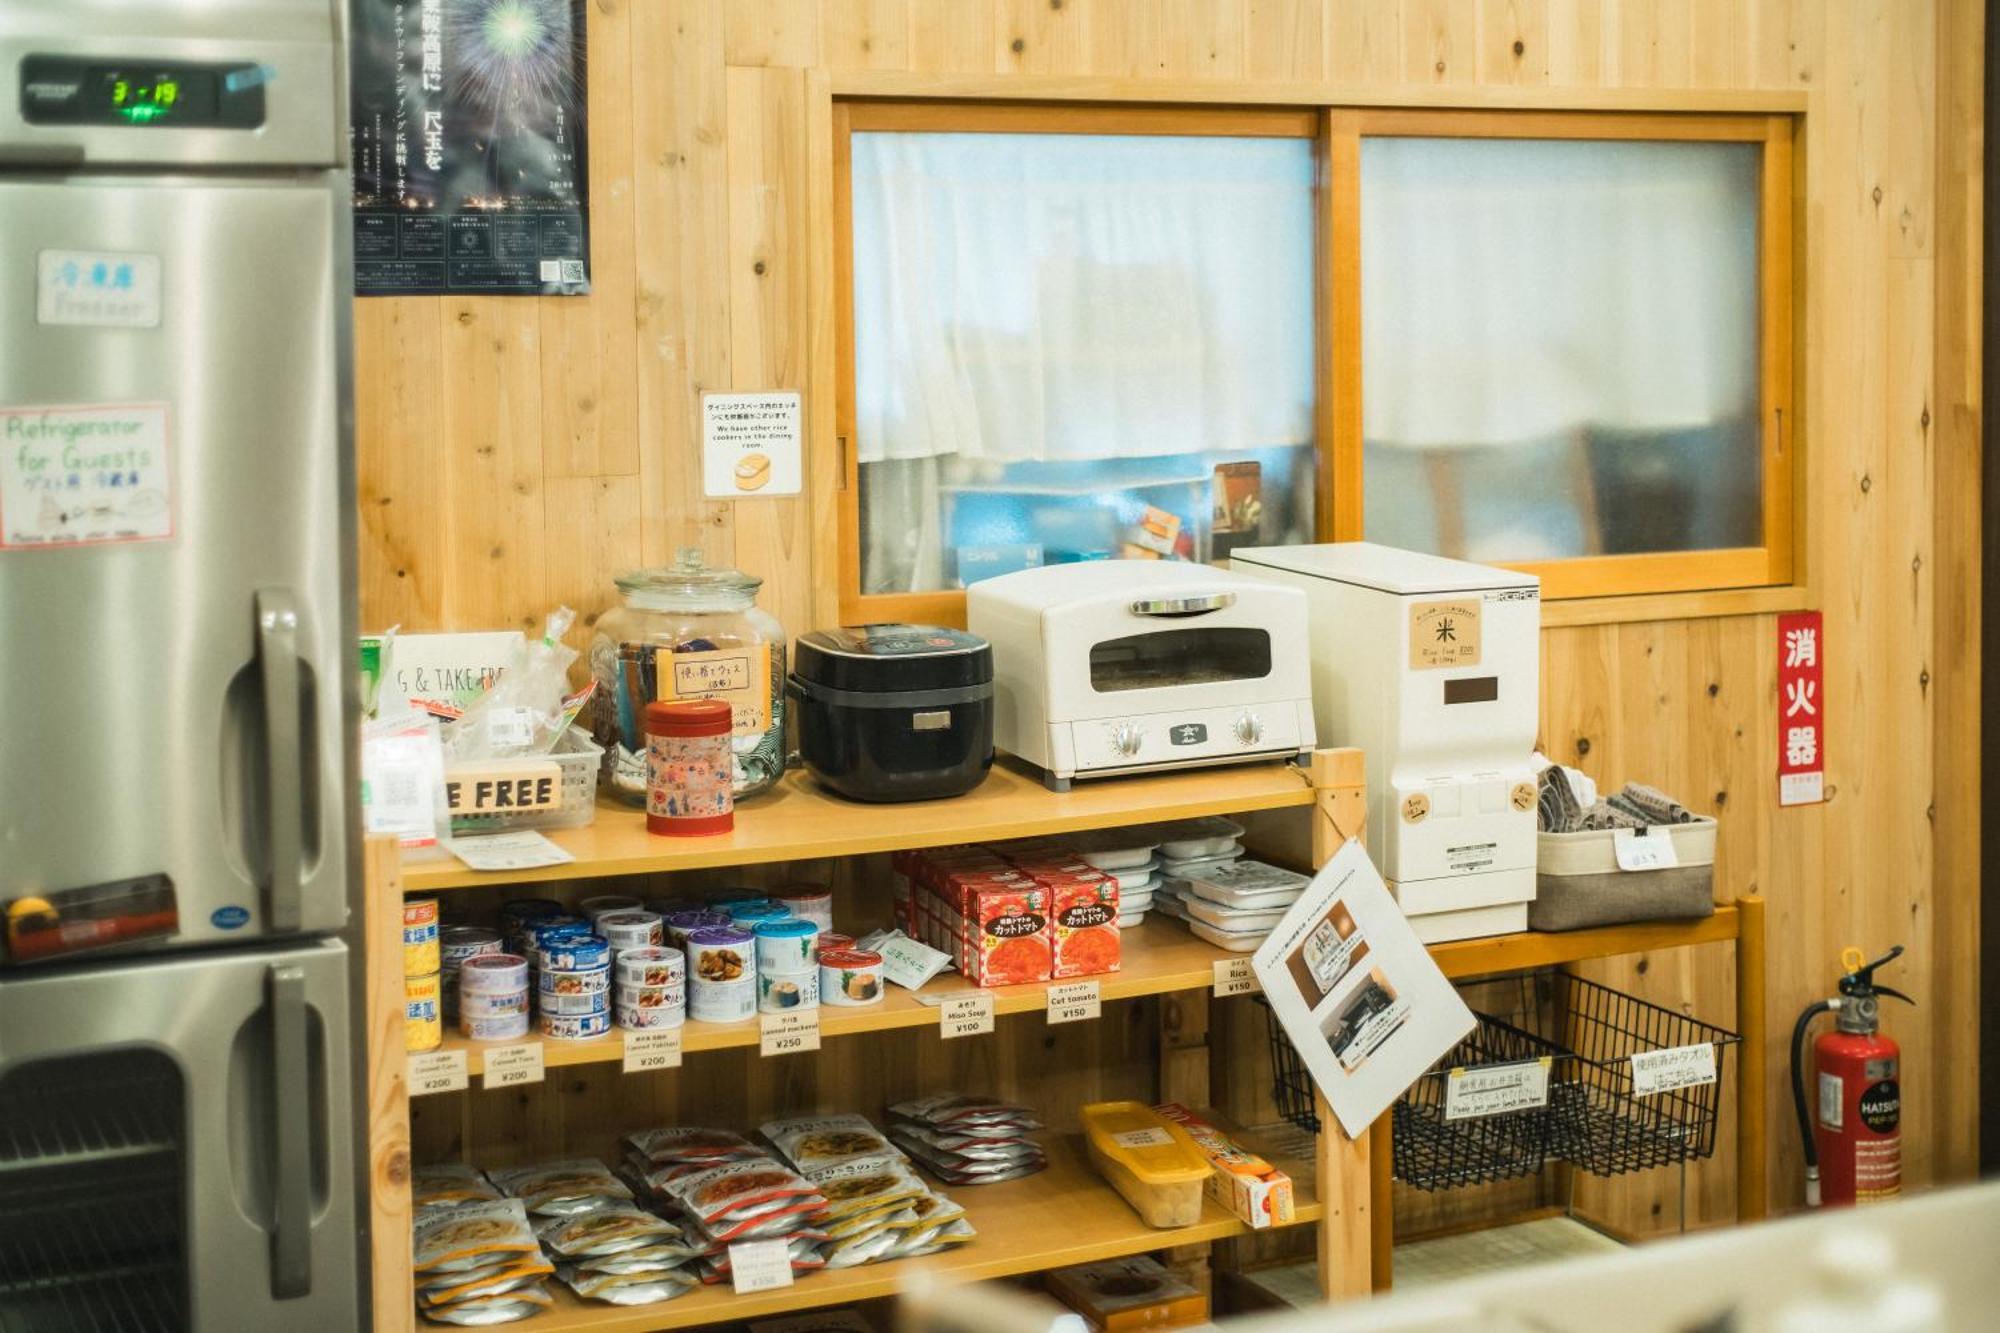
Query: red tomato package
point(1083, 924)
point(1006, 934)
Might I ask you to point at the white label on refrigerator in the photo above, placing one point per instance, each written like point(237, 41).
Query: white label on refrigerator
point(647, 1051)
point(1671, 1068)
point(760, 1265)
point(507, 1066)
point(1495, 1089)
point(1074, 1002)
point(1235, 976)
point(107, 290)
point(437, 1071)
point(750, 445)
point(788, 1033)
point(967, 1015)
point(79, 476)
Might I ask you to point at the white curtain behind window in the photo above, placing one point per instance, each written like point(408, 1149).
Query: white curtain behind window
point(1060, 297)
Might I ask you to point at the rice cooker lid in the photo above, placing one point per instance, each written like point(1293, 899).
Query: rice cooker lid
point(893, 657)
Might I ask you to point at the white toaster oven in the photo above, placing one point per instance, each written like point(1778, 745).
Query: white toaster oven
point(1126, 666)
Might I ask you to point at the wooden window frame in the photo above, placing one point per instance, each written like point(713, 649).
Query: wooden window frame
point(1770, 564)
point(1650, 584)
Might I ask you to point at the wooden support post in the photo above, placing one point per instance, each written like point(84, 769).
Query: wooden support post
point(1382, 1203)
point(1752, 1155)
point(1184, 1078)
point(393, 1285)
point(1346, 1228)
point(1340, 812)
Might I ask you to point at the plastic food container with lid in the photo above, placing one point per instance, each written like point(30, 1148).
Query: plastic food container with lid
point(689, 632)
point(1148, 1159)
point(894, 712)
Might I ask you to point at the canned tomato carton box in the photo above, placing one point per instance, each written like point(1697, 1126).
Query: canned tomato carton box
point(1244, 1183)
point(1083, 924)
point(1005, 934)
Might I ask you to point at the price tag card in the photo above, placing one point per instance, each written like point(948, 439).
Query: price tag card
point(1143, 1138)
point(788, 1034)
point(1074, 1002)
point(967, 1015)
point(1495, 1089)
point(1643, 849)
point(1235, 976)
point(760, 1265)
point(1674, 1067)
point(646, 1051)
point(437, 1071)
point(507, 1066)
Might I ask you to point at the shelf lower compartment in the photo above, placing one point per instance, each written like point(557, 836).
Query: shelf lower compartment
point(1064, 1215)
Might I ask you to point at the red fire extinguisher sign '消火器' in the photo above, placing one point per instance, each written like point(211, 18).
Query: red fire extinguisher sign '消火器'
point(1801, 710)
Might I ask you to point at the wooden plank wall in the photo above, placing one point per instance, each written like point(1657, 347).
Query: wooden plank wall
point(517, 453)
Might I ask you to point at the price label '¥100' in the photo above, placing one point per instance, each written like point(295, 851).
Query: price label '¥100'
point(967, 1015)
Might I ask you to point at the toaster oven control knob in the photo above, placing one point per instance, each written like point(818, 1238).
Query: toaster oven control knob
point(1249, 728)
point(1126, 739)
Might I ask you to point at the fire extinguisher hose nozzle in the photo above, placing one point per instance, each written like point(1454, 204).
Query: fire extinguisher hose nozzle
point(1800, 1030)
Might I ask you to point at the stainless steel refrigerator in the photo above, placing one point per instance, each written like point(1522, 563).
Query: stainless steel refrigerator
point(179, 1081)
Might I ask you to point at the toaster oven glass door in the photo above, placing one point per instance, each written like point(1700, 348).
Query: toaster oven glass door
point(1198, 655)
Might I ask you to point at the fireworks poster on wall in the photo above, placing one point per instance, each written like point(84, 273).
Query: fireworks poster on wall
point(468, 130)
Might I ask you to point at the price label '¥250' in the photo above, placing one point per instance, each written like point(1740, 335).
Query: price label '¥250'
point(789, 1033)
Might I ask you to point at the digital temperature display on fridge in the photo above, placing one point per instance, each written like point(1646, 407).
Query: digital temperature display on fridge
point(63, 90)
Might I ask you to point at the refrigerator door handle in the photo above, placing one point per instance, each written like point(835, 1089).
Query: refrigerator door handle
point(278, 661)
point(291, 1134)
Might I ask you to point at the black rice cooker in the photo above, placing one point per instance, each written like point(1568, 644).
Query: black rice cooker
point(894, 712)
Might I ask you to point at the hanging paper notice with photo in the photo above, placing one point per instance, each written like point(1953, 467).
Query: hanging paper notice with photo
point(1356, 992)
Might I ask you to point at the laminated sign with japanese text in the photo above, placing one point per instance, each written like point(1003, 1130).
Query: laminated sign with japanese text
point(1801, 710)
point(469, 153)
point(1357, 992)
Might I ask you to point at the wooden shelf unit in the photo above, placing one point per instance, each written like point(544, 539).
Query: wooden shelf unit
point(1064, 1215)
point(796, 821)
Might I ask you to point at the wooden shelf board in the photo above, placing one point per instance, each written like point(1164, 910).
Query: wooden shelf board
point(1159, 956)
point(1064, 1215)
point(1531, 949)
point(796, 821)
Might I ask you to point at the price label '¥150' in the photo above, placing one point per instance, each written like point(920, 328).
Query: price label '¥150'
point(1235, 976)
point(1074, 1002)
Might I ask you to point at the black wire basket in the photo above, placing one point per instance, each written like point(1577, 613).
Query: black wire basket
point(1593, 1119)
point(1600, 1124)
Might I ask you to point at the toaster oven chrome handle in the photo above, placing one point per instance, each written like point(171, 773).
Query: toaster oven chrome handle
point(1183, 606)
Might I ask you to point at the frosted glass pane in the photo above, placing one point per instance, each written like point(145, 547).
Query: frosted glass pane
point(1559, 346)
point(1078, 346)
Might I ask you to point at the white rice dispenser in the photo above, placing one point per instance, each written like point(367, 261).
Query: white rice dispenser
point(1432, 667)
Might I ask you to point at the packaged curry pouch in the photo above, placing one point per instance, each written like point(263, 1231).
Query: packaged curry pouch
point(559, 1189)
point(822, 1146)
point(456, 1239)
point(494, 1280)
point(645, 1259)
point(690, 1144)
point(958, 1110)
point(611, 1229)
point(630, 1288)
point(450, 1185)
point(887, 1186)
point(869, 1246)
point(486, 1311)
point(930, 1240)
point(741, 1190)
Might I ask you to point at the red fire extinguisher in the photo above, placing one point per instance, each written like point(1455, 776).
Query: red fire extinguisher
point(1854, 1145)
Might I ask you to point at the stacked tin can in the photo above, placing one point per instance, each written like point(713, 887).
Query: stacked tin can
point(493, 997)
point(455, 945)
point(572, 982)
point(787, 966)
point(649, 988)
point(721, 974)
point(423, 1022)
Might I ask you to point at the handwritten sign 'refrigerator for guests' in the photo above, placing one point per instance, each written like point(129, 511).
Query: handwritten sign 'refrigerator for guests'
point(78, 476)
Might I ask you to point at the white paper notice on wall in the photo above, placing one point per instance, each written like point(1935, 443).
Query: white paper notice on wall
point(101, 289)
point(751, 445)
point(81, 476)
point(1671, 1068)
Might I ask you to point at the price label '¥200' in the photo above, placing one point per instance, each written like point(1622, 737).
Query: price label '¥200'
point(437, 1071)
point(509, 1066)
point(789, 1033)
point(1235, 976)
point(646, 1051)
point(967, 1015)
point(1074, 1002)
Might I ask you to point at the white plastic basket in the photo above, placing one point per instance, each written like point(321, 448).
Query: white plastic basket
point(578, 757)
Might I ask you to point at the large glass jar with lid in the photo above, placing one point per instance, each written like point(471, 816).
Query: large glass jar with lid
point(689, 632)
